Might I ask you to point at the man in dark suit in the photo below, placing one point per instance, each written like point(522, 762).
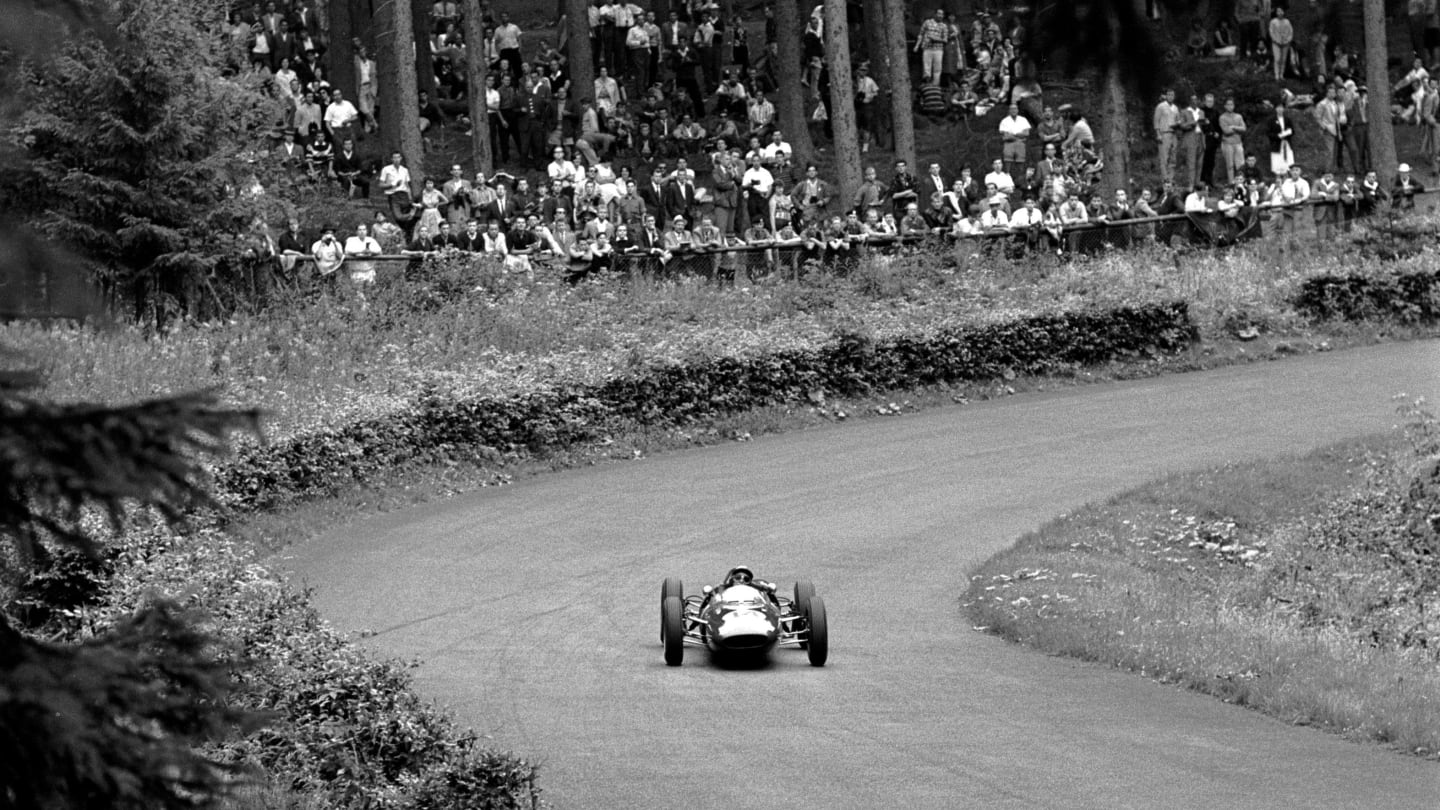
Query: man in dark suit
point(1048, 167)
point(680, 194)
point(502, 209)
point(653, 194)
point(933, 181)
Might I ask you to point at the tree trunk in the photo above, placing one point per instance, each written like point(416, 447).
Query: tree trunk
point(1114, 135)
point(842, 99)
point(341, 56)
point(475, 69)
point(790, 100)
point(875, 52)
point(424, 57)
point(1377, 80)
point(582, 65)
point(902, 113)
point(399, 111)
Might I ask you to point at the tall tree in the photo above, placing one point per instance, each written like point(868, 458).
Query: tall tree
point(902, 113)
point(475, 69)
point(875, 48)
point(399, 103)
point(341, 52)
point(1114, 134)
point(842, 98)
point(582, 56)
point(424, 57)
point(790, 106)
point(1377, 79)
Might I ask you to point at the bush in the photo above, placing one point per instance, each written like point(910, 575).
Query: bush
point(341, 727)
point(444, 418)
point(1412, 297)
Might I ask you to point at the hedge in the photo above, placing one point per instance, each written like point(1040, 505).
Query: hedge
point(563, 414)
point(1406, 297)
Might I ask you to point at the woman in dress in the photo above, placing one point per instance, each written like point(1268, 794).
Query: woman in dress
point(1279, 132)
point(431, 202)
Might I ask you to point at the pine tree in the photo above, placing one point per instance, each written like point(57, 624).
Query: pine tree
point(113, 721)
point(131, 147)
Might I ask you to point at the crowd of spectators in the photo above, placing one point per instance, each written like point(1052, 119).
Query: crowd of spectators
point(675, 149)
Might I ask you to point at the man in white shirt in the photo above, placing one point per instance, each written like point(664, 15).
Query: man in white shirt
point(360, 247)
point(340, 118)
point(1027, 217)
point(506, 42)
point(1014, 130)
point(994, 218)
point(1290, 193)
point(637, 47)
point(1198, 200)
point(562, 170)
point(395, 182)
point(1001, 179)
point(777, 153)
point(757, 183)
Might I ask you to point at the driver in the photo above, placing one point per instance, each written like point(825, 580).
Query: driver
point(742, 575)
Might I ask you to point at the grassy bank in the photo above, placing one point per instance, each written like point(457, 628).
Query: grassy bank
point(1302, 587)
point(325, 362)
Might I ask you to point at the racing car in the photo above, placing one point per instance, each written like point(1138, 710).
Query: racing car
point(742, 616)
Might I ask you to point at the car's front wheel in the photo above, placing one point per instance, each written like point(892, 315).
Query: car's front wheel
point(804, 590)
point(672, 630)
point(818, 631)
point(670, 587)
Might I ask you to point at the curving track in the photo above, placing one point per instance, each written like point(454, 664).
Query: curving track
point(534, 608)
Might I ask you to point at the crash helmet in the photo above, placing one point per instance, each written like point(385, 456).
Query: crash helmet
point(739, 575)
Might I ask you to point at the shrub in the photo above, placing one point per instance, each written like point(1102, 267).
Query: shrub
point(445, 417)
point(1408, 297)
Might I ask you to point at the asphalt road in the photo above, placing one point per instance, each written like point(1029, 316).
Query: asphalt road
point(534, 609)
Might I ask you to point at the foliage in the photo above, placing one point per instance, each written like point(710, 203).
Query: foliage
point(448, 418)
point(132, 151)
point(116, 716)
point(1303, 587)
point(1410, 297)
point(113, 720)
point(341, 727)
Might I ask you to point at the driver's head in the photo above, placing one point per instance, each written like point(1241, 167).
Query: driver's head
point(740, 575)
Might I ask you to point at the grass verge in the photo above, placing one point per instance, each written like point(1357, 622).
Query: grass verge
point(1301, 587)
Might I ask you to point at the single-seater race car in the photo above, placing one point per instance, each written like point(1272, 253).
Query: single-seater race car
point(742, 616)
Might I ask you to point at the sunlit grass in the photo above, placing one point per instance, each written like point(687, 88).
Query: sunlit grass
point(1197, 579)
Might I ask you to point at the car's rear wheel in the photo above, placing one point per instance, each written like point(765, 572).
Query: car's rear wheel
point(804, 589)
point(819, 631)
point(670, 587)
point(672, 630)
